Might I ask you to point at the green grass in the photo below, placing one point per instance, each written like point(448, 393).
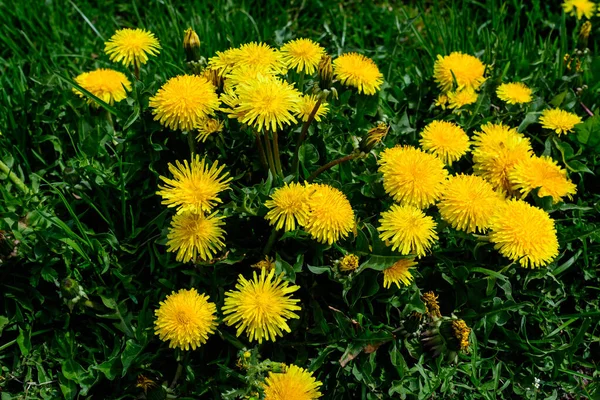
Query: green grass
point(91, 212)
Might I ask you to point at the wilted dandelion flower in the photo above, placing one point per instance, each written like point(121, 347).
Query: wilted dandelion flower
point(412, 176)
point(496, 151)
point(407, 229)
point(543, 173)
point(185, 319)
point(132, 46)
point(580, 8)
point(461, 333)
point(260, 55)
point(524, 233)
point(446, 140)
point(560, 121)
point(469, 203)
point(194, 186)
point(331, 216)
point(399, 273)
point(108, 85)
point(514, 93)
point(376, 135)
point(207, 127)
point(432, 306)
point(294, 384)
point(466, 69)
point(353, 69)
point(288, 206)
point(266, 103)
point(268, 264)
point(307, 104)
point(303, 55)
point(224, 61)
point(348, 263)
point(184, 101)
point(261, 306)
point(460, 98)
point(195, 236)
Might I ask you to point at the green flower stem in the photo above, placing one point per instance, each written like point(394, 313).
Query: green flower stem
point(331, 165)
point(270, 155)
point(261, 151)
point(136, 71)
point(301, 82)
point(271, 241)
point(276, 154)
point(191, 143)
point(302, 136)
point(14, 178)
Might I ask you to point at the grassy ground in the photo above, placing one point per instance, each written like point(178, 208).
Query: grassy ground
point(91, 213)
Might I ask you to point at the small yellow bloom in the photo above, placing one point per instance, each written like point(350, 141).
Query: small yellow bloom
point(108, 85)
point(348, 263)
point(446, 140)
point(195, 237)
point(303, 55)
point(294, 384)
point(185, 319)
point(353, 69)
point(524, 233)
point(460, 98)
point(261, 306)
point(132, 46)
point(307, 104)
point(288, 206)
point(465, 69)
point(560, 121)
point(268, 263)
point(184, 101)
point(207, 127)
point(580, 8)
point(398, 273)
point(461, 333)
point(441, 101)
point(331, 216)
point(412, 176)
point(543, 173)
point(514, 93)
point(407, 229)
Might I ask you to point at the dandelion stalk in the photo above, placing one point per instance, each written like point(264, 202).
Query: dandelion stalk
point(14, 178)
point(276, 154)
point(270, 242)
point(261, 151)
point(269, 152)
point(332, 164)
point(191, 143)
point(136, 71)
point(304, 131)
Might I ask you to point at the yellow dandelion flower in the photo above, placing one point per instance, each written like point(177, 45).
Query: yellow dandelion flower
point(467, 70)
point(432, 306)
point(441, 101)
point(224, 61)
point(398, 273)
point(560, 121)
point(348, 263)
point(294, 384)
point(524, 233)
point(412, 176)
point(195, 236)
point(580, 8)
point(514, 93)
point(131, 46)
point(460, 98)
point(543, 173)
point(496, 151)
point(268, 264)
point(331, 216)
point(407, 229)
point(461, 333)
point(108, 85)
point(184, 101)
point(353, 69)
point(261, 306)
point(194, 186)
point(207, 127)
point(288, 206)
point(260, 55)
point(266, 103)
point(446, 140)
point(303, 55)
point(185, 319)
point(469, 203)
point(307, 104)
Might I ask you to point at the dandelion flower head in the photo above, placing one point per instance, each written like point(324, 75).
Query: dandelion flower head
point(466, 69)
point(461, 333)
point(412, 176)
point(207, 127)
point(446, 140)
point(307, 104)
point(514, 93)
point(195, 237)
point(349, 263)
point(543, 173)
point(407, 229)
point(524, 233)
point(261, 306)
point(580, 8)
point(224, 61)
point(294, 384)
point(399, 273)
point(260, 55)
point(560, 121)
point(331, 216)
point(132, 46)
point(108, 85)
point(185, 319)
point(460, 98)
point(303, 55)
point(353, 69)
point(288, 206)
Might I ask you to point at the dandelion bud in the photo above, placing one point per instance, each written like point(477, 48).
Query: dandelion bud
point(69, 288)
point(584, 33)
point(191, 45)
point(374, 136)
point(447, 336)
point(213, 76)
point(348, 263)
point(325, 72)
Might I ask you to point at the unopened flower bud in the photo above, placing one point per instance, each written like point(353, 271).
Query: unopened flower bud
point(325, 72)
point(374, 136)
point(584, 34)
point(191, 45)
point(69, 288)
